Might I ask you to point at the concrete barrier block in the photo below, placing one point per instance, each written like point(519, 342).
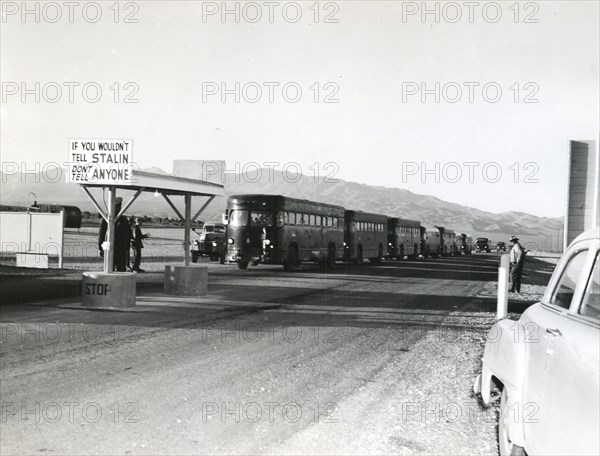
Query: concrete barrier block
point(189, 280)
point(116, 289)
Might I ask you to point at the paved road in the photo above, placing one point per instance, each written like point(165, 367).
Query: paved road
point(365, 359)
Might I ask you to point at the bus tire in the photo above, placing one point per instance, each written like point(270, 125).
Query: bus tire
point(194, 256)
point(330, 255)
point(291, 261)
point(378, 259)
point(401, 254)
point(359, 254)
point(242, 264)
point(416, 255)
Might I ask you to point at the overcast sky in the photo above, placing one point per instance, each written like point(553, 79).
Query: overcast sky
point(369, 56)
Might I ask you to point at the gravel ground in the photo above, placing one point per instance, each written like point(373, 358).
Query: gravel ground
point(384, 364)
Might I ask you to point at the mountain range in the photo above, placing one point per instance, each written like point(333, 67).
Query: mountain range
point(49, 187)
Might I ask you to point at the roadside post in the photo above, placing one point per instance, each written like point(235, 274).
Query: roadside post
point(502, 308)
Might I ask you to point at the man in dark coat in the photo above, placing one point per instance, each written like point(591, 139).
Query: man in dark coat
point(138, 245)
point(517, 260)
point(122, 239)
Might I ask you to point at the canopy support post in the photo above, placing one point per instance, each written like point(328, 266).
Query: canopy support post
point(110, 254)
point(173, 206)
point(129, 203)
point(187, 224)
point(202, 208)
point(95, 203)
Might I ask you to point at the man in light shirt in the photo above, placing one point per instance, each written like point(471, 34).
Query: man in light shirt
point(517, 260)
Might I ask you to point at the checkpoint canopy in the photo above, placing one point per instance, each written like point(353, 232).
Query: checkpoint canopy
point(167, 186)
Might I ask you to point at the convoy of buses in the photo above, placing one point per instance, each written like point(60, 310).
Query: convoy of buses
point(274, 229)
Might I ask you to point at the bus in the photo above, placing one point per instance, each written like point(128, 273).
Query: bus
point(365, 236)
point(404, 238)
point(431, 244)
point(464, 243)
point(275, 229)
point(448, 241)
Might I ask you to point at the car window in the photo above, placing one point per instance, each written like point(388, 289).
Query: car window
point(261, 218)
point(565, 288)
point(590, 306)
point(238, 218)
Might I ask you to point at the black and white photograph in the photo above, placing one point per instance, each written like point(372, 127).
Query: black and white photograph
point(311, 227)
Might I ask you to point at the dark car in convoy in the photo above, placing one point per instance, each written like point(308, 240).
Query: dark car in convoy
point(483, 244)
point(501, 246)
point(209, 243)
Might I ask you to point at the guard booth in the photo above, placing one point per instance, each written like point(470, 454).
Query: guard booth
point(117, 289)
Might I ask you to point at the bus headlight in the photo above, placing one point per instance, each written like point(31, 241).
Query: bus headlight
point(247, 240)
point(267, 242)
point(230, 241)
point(214, 244)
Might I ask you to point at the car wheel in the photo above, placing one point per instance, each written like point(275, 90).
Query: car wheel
point(242, 264)
point(359, 254)
point(506, 446)
point(331, 256)
point(292, 259)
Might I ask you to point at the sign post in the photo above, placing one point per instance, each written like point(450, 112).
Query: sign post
point(107, 164)
point(103, 161)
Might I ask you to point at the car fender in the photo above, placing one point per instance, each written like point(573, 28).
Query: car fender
point(503, 358)
point(503, 362)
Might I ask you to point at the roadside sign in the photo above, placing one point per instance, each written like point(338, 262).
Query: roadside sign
point(100, 161)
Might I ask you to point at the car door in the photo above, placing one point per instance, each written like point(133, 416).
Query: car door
point(562, 417)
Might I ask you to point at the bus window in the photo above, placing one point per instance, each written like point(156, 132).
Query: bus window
point(261, 218)
point(312, 220)
point(318, 220)
point(286, 218)
point(336, 222)
point(238, 218)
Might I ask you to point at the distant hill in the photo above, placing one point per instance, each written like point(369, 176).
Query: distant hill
point(539, 232)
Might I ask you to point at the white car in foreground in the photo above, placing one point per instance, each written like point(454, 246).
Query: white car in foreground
point(546, 364)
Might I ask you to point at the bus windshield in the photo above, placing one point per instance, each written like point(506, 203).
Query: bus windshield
point(261, 218)
point(238, 218)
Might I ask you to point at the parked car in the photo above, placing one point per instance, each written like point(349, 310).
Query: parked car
point(209, 243)
point(544, 367)
point(501, 246)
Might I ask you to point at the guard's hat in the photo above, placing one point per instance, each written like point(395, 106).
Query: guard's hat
point(514, 239)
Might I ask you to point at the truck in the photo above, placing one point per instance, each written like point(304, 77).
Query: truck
point(209, 243)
